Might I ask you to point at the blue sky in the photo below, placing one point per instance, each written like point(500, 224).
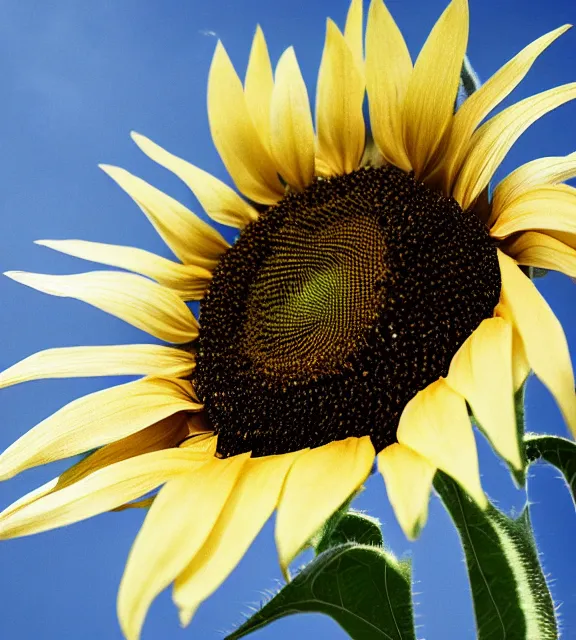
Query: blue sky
point(77, 77)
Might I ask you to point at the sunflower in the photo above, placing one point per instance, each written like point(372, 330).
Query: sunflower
point(376, 298)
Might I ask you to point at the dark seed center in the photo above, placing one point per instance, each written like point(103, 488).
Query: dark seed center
point(335, 308)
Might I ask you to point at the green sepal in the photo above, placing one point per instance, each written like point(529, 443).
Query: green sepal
point(365, 589)
point(352, 526)
point(469, 83)
point(557, 451)
point(509, 590)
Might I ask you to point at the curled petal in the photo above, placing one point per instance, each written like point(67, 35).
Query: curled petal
point(481, 372)
point(435, 424)
point(544, 171)
point(535, 249)
point(542, 336)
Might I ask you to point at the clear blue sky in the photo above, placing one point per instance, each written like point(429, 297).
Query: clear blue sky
point(76, 78)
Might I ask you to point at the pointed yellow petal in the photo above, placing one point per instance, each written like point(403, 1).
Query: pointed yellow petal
point(483, 101)
point(318, 483)
point(429, 102)
point(100, 491)
point(188, 281)
point(339, 96)
point(544, 171)
point(235, 136)
point(219, 201)
point(176, 527)
point(190, 238)
point(292, 132)
point(251, 504)
point(435, 424)
point(481, 372)
point(547, 207)
point(96, 420)
point(542, 335)
point(540, 250)
point(388, 70)
point(258, 86)
point(353, 32)
point(491, 142)
point(134, 299)
point(162, 435)
point(116, 360)
point(408, 477)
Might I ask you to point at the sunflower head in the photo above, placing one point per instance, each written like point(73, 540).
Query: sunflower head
point(335, 308)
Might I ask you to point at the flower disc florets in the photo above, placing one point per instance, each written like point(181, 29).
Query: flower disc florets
point(335, 308)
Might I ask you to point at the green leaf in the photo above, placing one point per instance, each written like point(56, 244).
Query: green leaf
point(352, 526)
point(363, 588)
point(511, 598)
point(557, 451)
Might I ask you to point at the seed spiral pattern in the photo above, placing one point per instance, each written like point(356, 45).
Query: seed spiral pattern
point(335, 308)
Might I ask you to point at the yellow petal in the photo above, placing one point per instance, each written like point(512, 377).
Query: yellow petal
point(429, 102)
point(353, 32)
point(408, 477)
point(481, 372)
point(520, 364)
point(292, 132)
point(219, 201)
point(188, 281)
point(482, 102)
point(96, 420)
point(535, 249)
point(319, 482)
point(161, 435)
point(258, 86)
point(235, 136)
point(540, 172)
point(134, 299)
point(339, 96)
point(100, 491)
point(435, 424)
point(116, 360)
point(547, 207)
point(176, 527)
point(388, 70)
point(493, 139)
point(251, 504)
point(542, 335)
point(190, 238)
